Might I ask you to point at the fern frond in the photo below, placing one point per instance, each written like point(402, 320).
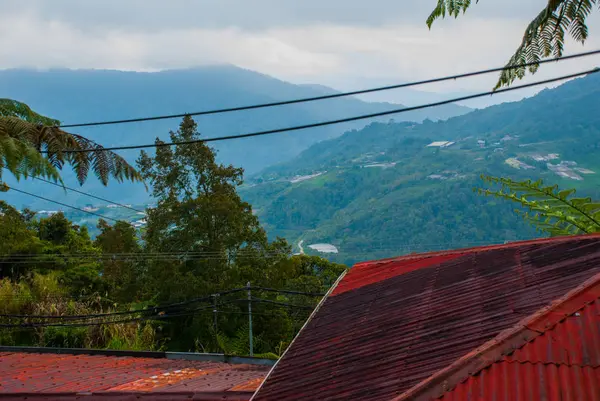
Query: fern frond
point(544, 36)
point(450, 7)
point(53, 142)
point(13, 108)
point(22, 160)
point(550, 209)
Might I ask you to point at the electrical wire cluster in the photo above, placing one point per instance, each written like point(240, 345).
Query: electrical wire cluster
point(214, 303)
point(138, 256)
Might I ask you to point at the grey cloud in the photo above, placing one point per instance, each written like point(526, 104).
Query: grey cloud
point(157, 15)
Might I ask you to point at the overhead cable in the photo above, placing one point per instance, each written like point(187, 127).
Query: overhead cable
point(158, 308)
point(188, 312)
point(90, 195)
point(12, 188)
point(84, 193)
point(334, 95)
point(338, 121)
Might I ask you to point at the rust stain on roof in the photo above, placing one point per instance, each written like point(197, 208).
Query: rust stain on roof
point(48, 374)
point(164, 379)
point(251, 385)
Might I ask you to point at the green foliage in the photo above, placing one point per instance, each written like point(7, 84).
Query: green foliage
point(24, 160)
point(543, 37)
point(239, 344)
point(550, 210)
point(425, 202)
point(24, 135)
point(46, 294)
point(122, 277)
point(13, 108)
point(198, 211)
point(200, 217)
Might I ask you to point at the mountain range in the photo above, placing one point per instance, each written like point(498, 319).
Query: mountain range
point(74, 96)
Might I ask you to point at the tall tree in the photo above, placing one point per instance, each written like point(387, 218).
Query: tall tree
point(543, 37)
point(34, 145)
point(199, 215)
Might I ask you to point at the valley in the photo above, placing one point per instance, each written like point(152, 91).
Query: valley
point(397, 187)
point(394, 188)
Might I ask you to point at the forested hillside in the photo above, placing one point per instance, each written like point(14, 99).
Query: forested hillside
point(383, 190)
point(91, 95)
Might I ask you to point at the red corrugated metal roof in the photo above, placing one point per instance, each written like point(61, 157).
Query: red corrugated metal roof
point(30, 373)
point(378, 340)
point(560, 362)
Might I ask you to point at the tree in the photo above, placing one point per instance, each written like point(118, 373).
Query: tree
point(19, 241)
point(34, 145)
point(543, 37)
point(120, 274)
point(548, 209)
point(199, 213)
point(70, 251)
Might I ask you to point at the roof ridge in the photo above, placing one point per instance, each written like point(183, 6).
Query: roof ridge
point(505, 342)
point(546, 363)
point(478, 249)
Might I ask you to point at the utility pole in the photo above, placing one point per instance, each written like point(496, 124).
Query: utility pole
point(250, 319)
point(215, 311)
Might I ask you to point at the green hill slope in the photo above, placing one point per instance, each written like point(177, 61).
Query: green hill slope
point(382, 191)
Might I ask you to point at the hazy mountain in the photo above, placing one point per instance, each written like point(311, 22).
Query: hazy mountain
point(92, 95)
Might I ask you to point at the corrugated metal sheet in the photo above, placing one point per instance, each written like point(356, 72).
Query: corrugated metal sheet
point(30, 373)
point(575, 341)
point(375, 341)
point(562, 364)
point(532, 382)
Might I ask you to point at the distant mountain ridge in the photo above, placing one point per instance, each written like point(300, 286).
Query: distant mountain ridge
point(74, 96)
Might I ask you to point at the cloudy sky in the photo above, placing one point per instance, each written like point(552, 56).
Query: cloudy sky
point(346, 44)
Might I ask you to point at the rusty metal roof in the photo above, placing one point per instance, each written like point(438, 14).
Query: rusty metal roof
point(553, 355)
point(389, 325)
point(37, 375)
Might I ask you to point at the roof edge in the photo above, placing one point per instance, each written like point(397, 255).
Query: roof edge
point(133, 395)
point(313, 313)
point(505, 343)
point(476, 249)
point(188, 356)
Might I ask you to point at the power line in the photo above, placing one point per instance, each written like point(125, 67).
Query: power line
point(83, 193)
point(89, 195)
point(162, 308)
point(63, 204)
point(289, 292)
point(332, 96)
point(13, 259)
point(188, 312)
point(268, 301)
point(119, 321)
point(333, 122)
point(138, 255)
